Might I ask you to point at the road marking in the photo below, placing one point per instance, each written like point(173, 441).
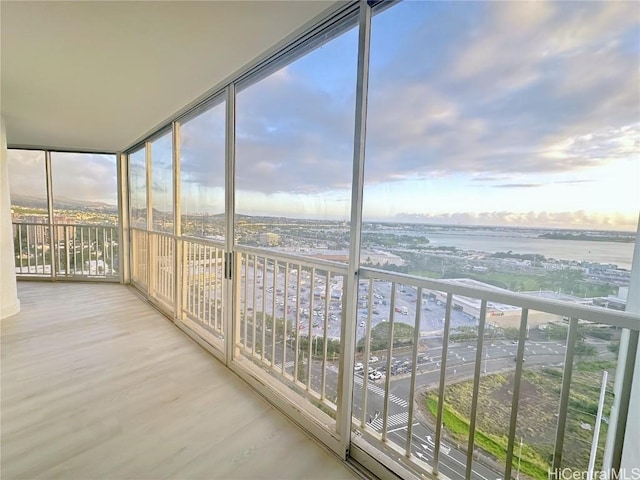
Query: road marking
point(404, 427)
point(379, 391)
point(450, 457)
point(393, 420)
point(289, 364)
point(465, 466)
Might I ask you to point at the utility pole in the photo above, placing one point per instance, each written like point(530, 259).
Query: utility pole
point(596, 430)
point(519, 457)
point(486, 358)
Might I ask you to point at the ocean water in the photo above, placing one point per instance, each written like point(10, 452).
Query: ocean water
point(617, 253)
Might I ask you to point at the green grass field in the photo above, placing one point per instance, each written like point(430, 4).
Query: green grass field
point(539, 400)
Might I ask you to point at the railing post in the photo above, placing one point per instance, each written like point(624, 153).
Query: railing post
point(232, 335)
point(53, 256)
point(515, 400)
point(476, 386)
point(442, 384)
point(564, 394)
point(67, 262)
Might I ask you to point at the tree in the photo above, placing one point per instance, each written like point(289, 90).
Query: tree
point(402, 336)
point(585, 350)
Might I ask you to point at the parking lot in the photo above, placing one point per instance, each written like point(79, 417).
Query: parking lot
point(305, 313)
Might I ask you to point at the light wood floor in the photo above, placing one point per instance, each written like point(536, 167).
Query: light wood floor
point(97, 385)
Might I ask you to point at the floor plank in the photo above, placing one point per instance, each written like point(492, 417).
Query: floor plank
point(97, 384)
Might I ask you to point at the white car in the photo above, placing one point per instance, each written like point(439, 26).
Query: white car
point(373, 358)
point(375, 375)
point(358, 367)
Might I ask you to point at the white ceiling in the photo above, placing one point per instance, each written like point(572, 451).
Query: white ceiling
point(101, 75)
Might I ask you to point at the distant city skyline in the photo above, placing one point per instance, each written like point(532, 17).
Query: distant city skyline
point(470, 122)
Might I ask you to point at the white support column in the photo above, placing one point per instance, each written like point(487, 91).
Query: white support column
point(124, 233)
point(177, 226)
point(9, 303)
point(232, 286)
point(631, 446)
point(350, 311)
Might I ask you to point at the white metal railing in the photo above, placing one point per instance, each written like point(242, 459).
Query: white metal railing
point(289, 314)
point(139, 257)
point(389, 403)
point(74, 250)
point(32, 249)
point(203, 285)
point(161, 263)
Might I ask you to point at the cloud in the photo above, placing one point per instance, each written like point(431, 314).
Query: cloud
point(569, 219)
point(502, 99)
point(504, 94)
point(202, 148)
point(294, 137)
point(572, 182)
point(486, 98)
point(79, 176)
point(519, 185)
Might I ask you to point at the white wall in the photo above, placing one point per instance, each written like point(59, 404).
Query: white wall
point(9, 303)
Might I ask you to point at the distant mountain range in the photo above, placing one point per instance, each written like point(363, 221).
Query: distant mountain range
point(63, 203)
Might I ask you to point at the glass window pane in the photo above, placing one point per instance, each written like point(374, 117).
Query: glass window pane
point(294, 154)
point(202, 162)
point(138, 188)
point(162, 183)
point(502, 151)
point(28, 186)
point(494, 137)
point(84, 188)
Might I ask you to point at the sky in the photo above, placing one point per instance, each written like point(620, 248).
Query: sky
point(507, 113)
point(75, 176)
point(480, 113)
